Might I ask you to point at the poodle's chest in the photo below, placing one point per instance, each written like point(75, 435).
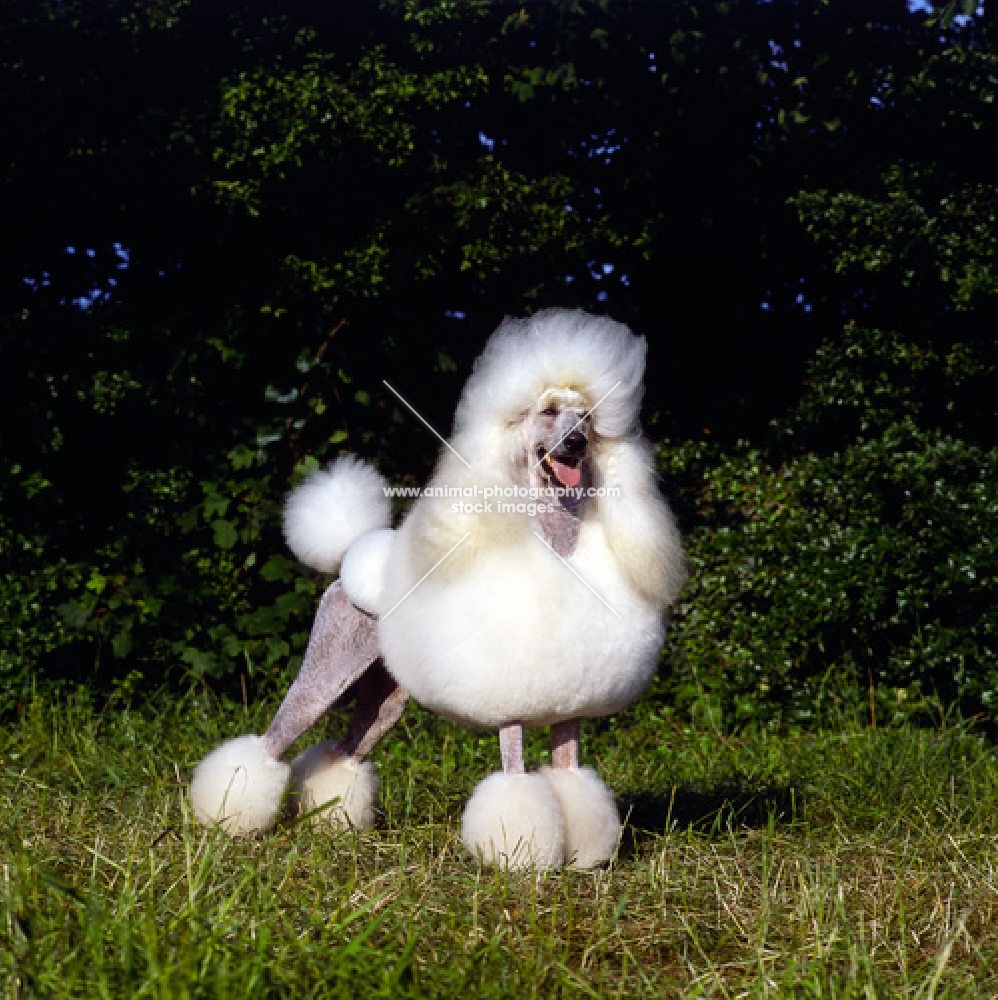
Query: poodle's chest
point(534, 639)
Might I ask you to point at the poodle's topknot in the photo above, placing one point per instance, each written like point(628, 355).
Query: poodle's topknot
point(556, 347)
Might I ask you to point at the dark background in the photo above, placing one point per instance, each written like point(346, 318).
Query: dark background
point(226, 223)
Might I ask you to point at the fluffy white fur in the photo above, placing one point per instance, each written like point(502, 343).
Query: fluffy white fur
point(332, 508)
point(637, 525)
point(515, 821)
point(589, 811)
point(555, 348)
point(502, 631)
point(239, 786)
point(510, 634)
point(321, 775)
point(363, 571)
point(494, 628)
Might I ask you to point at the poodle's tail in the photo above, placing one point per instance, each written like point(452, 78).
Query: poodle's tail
point(332, 508)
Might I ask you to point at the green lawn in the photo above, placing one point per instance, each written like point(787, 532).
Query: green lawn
point(841, 863)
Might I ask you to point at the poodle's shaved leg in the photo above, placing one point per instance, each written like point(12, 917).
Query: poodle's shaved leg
point(588, 808)
point(343, 644)
point(511, 748)
point(565, 744)
point(334, 775)
point(380, 703)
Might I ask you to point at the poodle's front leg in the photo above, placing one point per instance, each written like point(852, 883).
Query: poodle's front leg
point(513, 818)
point(592, 824)
point(511, 748)
point(565, 744)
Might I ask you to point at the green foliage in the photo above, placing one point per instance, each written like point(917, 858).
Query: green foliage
point(869, 565)
point(857, 548)
point(951, 242)
point(197, 582)
point(228, 224)
point(276, 122)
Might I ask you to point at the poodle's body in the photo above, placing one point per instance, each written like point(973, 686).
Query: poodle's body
point(508, 633)
point(503, 631)
point(528, 586)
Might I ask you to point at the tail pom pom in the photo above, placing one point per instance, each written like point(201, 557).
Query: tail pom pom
point(332, 508)
point(363, 571)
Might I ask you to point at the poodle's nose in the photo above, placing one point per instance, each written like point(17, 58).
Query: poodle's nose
point(575, 443)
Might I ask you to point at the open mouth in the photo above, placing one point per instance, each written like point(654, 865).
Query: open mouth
point(567, 471)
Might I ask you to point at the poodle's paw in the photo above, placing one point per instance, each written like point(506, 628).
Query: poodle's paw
point(239, 787)
point(592, 824)
point(348, 788)
point(514, 821)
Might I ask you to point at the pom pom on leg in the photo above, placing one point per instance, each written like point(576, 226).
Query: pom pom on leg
point(239, 786)
point(515, 821)
point(592, 823)
point(322, 774)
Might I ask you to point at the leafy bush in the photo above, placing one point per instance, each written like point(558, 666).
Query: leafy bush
point(857, 551)
point(197, 583)
point(237, 250)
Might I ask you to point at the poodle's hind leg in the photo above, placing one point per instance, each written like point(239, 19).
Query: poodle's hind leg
point(343, 644)
point(589, 812)
point(333, 781)
point(241, 784)
point(513, 819)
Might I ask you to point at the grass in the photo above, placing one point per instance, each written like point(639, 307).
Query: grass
point(835, 864)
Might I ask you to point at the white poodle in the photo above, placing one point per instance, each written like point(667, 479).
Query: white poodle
point(528, 586)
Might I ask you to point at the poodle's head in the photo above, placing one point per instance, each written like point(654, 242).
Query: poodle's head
point(546, 391)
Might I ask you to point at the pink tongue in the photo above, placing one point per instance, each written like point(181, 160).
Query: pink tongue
point(567, 476)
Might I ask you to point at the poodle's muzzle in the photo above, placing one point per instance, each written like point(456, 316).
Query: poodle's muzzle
point(562, 450)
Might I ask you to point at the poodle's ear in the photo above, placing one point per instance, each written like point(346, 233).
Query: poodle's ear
point(638, 525)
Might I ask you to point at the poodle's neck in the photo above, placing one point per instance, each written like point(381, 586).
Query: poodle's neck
point(561, 527)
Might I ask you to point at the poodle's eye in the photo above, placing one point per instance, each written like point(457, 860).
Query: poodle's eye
point(551, 411)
